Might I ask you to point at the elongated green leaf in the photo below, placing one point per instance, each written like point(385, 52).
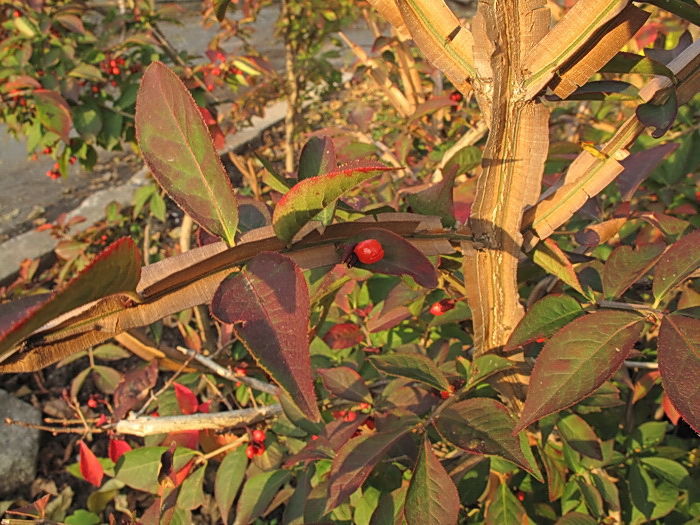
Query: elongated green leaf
point(485, 366)
point(229, 477)
point(626, 266)
point(505, 508)
point(633, 63)
point(551, 258)
point(679, 364)
point(432, 497)
point(684, 9)
point(577, 360)
point(390, 508)
point(355, 461)
point(642, 490)
point(220, 7)
point(576, 518)
point(484, 426)
point(591, 497)
point(580, 436)
point(400, 257)
point(544, 318)
point(317, 158)
point(346, 383)
point(177, 147)
point(677, 263)
point(116, 270)
point(191, 493)
point(412, 366)
point(139, 468)
point(53, 112)
point(258, 493)
point(268, 305)
point(310, 196)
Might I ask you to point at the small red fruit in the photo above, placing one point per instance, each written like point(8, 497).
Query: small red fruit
point(456, 97)
point(16, 13)
point(95, 89)
point(210, 87)
point(443, 306)
point(92, 403)
point(369, 251)
point(259, 449)
point(116, 70)
point(520, 495)
point(258, 436)
point(250, 451)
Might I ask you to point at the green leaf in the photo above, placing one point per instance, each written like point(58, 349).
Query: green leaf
point(309, 197)
point(576, 518)
point(484, 426)
point(257, 494)
point(504, 508)
point(553, 260)
point(139, 468)
point(591, 497)
point(355, 461)
point(668, 470)
point(436, 199)
point(607, 90)
point(679, 364)
point(659, 116)
point(346, 383)
point(268, 305)
point(432, 497)
point(400, 257)
point(87, 71)
point(677, 263)
point(220, 7)
point(53, 112)
point(116, 270)
point(389, 511)
point(642, 490)
point(579, 435)
point(88, 120)
point(544, 318)
point(684, 9)
point(191, 493)
point(485, 366)
point(177, 147)
point(464, 160)
point(411, 366)
point(229, 477)
point(632, 63)
point(625, 266)
point(577, 360)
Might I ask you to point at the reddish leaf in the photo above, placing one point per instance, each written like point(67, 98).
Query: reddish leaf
point(343, 335)
point(639, 165)
point(117, 447)
point(346, 383)
point(432, 497)
point(625, 266)
point(484, 426)
point(117, 269)
point(178, 149)
point(134, 388)
point(268, 305)
point(577, 360)
point(645, 384)
point(544, 318)
point(400, 257)
point(580, 436)
point(671, 227)
point(677, 263)
point(412, 366)
point(317, 158)
point(309, 197)
point(90, 467)
point(183, 438)
point(679, 364)
point(53, 112)
point(437, 199)
point(552, 259)
point(186, 399)
point(355, 461)
point(671, 413)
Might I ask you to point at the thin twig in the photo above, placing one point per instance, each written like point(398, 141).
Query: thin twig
point(227, 374)
point(642, 364)
point(54, 430)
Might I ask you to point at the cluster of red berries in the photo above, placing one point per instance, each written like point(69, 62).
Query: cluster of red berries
point(257, 445)
point(55, 172)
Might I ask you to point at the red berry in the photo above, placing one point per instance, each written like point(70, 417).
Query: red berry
point(520, 495)
point(250, 451)
point(113, 63)
point(210, 87)
point(56, 165)
point(116, 70)
point(72, 160)
point(16, 13)
point(216, 71)
point(443, 306)
point(92, 403)
point(456, 97)
point(259, 449)
point(258, 436)
point(114, 83)
point(47, 150)
point(364, 406)
point(95, 89)
point(23, 102)
point(350, 416)
point(369, 251)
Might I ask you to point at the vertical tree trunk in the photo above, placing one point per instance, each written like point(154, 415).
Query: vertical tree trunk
point(513, 163)
point(292, 86)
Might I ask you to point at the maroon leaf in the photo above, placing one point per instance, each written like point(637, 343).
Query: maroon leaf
point(53, 112)
point(400, 257)
point(186, 399)
point(659, 116)
point(90, 467)
point(343, 335)
point(679, 363)
point(677, 263)
point(484, 426)
point(355, 461)
point(134, 388)
point(638, 166)
point(577, 360)
point(346, 383)
point(625, 266)
point(176, 146)
point(268, 305)
point(544, 318)
point(117, 269)
point(432, 497)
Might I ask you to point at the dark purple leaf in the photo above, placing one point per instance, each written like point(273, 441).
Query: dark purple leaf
point(625, 266)
point(484, 426)
point(659, 116)
point(343, 335)
point(639, 165)
point(679, 363)
point(268, 305)
point(177, 147)
point(577, 360)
